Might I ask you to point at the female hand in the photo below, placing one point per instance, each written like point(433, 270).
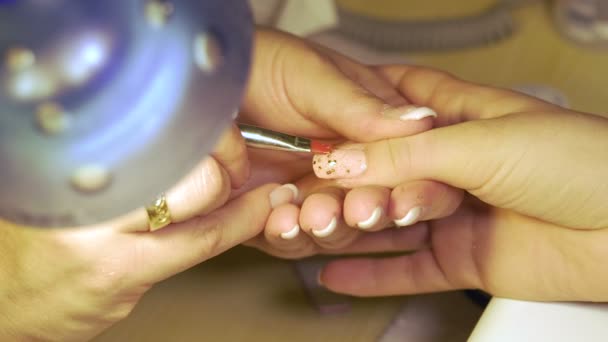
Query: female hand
point(300, 88)
point(88, 278)
point(535, 223)
point(70, 284)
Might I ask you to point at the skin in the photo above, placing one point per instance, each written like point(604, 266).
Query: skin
point(532, 225)
point(88, 278)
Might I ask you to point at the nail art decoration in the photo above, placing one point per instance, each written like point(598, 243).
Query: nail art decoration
point(340, 164)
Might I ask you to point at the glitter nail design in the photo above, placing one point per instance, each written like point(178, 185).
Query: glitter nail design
point(340, 164)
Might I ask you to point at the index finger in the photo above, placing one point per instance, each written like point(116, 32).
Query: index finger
point(181, 246)
point(457, 100)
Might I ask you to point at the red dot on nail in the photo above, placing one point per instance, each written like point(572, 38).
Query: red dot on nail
point(320, 147)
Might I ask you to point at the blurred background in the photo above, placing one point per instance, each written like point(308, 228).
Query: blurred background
point(556, 50)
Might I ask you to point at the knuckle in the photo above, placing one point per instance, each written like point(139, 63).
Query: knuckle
point(399, 156)
point(120, 311)
point(210, 185)
point(209, 234)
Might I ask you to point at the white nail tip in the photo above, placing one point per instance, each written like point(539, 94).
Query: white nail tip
point(328, 230)
point(290, 235)
point(419, 114)
point(412, 217)
point(372, 220)
point(294, 189)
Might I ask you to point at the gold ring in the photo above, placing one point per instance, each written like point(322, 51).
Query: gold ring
point(159, 215)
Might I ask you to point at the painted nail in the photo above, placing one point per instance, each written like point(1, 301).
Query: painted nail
point(341, 163)
point(412, 217)
point(283, 195)
point(410, 113)
point(372, 220)
point(327, 231)
point(290, 235)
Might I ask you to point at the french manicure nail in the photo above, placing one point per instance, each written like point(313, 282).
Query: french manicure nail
point(290, 235)
point(283, 195)
point(410, 113)
point(327, 231)
point(410, 218)
point(418, 114)
point(341, 163)
point(372, 220)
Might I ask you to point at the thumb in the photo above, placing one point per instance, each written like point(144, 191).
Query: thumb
point(300, 89)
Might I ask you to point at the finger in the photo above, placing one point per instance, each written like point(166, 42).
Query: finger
point(231, 153)
point(455, 99)
point(283, 235)
point(352, 111)
point(410, 274)
point(422, 201)
point(369, 78)
point(367, 207)
point(493, 159)
point(206, 188)
point(447, 264)
point(321, 219)
point(388, 241)
point(443, 155)
point(181, 246)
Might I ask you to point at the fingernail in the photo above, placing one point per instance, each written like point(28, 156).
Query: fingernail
point(283, 195)
point(290, 235)
point(372, 220)
point(410, 113)
point(341, 163)
point(412, 217)
point(327, 231)
point(319, 281)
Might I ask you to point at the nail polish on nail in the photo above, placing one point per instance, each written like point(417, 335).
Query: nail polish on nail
point(409, 113)
point(418, 114)
point(327, 231)
point(412, 217)
point(372, 220)
point(290, 235)
point(283, 195)
point(341, 163)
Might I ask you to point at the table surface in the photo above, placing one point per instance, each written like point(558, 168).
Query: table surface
point(246, 296)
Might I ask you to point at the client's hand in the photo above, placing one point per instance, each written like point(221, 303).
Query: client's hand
point(535, 222)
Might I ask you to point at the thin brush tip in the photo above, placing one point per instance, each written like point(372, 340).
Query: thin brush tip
point(319, 147)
